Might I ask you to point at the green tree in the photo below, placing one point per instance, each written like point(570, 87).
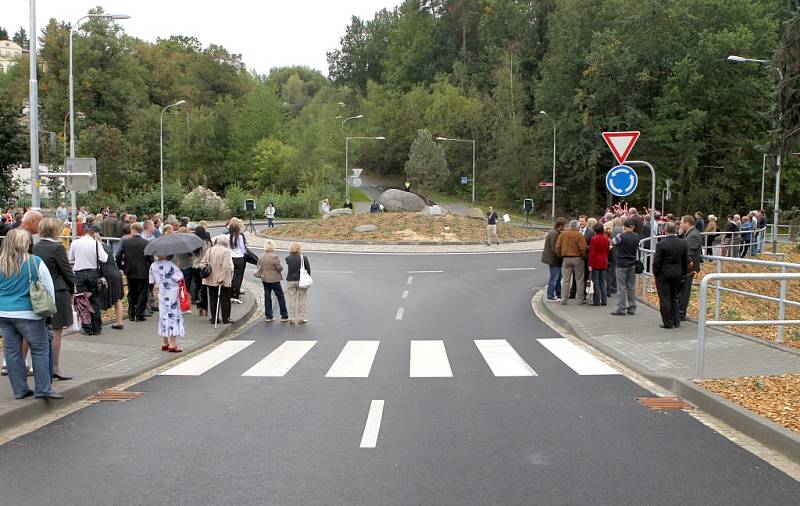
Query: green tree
point(427, 166)
point(13, 150)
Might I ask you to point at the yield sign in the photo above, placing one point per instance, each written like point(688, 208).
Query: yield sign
point(621, 143)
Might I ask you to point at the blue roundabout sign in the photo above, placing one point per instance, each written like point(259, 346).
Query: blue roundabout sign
point(621, 181)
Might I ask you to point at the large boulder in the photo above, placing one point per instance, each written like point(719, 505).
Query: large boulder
point(434, 211)
point(205, 198)
point(475, 213)
point(335, 213)
point(366, 228)
point(401, 201)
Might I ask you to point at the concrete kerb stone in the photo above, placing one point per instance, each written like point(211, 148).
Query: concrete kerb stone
point(27, 411)
point(766, 432)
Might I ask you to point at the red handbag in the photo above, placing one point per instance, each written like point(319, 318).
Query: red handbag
point(183, 296)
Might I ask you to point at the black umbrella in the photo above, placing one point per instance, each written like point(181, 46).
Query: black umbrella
point(173, 244)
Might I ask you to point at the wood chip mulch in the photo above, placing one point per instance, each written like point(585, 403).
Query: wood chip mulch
point(776, 398)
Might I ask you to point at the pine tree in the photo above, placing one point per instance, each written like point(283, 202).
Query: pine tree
point(427, 166)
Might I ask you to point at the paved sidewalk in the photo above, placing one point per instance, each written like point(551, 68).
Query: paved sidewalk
point(672, 352)
point(99, 362)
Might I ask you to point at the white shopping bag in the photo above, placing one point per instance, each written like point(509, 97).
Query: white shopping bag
point(506, 218)
point(76, 321)
point(590, 291)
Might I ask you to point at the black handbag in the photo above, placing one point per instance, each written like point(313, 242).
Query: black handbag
point(638, 267)
point(205, 271)
point(250, 257)
point(102, 282)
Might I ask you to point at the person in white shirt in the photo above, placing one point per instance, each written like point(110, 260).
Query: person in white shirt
point(85, 253)
point(270, 215)
point(237, 245)
point(61, 212)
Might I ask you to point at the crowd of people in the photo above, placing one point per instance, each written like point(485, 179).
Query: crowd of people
point(82, 276)
point(600, 257)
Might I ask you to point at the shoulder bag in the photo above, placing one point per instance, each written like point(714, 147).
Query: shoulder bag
point(305, 277)
point(41, 302)
point(102, 282)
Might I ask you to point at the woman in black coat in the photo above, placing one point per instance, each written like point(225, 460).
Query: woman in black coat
point(52, 252)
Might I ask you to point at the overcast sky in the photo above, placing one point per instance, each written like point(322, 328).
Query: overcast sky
point(267, 33)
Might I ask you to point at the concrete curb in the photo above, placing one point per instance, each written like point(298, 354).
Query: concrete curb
point(766, 432)
point(28, 411)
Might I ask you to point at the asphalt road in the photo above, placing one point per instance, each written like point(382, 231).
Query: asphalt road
point(557, 437)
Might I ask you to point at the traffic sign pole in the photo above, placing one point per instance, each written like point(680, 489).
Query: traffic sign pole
point(652, 194)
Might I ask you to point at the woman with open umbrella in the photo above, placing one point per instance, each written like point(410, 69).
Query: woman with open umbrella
point(165, 274)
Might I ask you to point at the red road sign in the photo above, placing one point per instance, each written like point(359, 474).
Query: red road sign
point(621, 143)
point(545, 184)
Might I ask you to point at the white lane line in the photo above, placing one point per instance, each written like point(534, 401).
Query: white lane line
point(410, 280)
point(503, 359)
point(355, 360)
point(399, 315)
point(424, 272)
point(518, 269)
point(429, 360)
point(281, 360)
point(576, 358)
point(334, 272)
point(205, 361)
point(405, 294)
point(370, 437)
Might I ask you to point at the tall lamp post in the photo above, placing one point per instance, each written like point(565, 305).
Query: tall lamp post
point(776, 203)
point(553, 212)
point(346, 160)
point(473, 160)
point(73, 197)
point(161, 151)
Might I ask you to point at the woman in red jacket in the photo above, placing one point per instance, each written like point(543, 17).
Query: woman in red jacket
point(598, 265)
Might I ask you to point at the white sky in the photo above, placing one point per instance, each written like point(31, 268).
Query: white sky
point(267, 33)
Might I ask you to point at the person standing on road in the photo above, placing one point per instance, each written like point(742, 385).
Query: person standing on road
point(571, 247)
point(167, 275)
point(347, 204)
point(54, 256)
point(198, 293)
point(237, 245)
point(269, 270)
point(491, 227)
point(627, 247)
point(694, 245)
point(19, 322)
point(670, 267)
point(87, 255)
point(599, 248)
point(61, 212)
point(270, 214)
point(218, 283)
point(297, 296)
point(133, 262)
point(553, 260)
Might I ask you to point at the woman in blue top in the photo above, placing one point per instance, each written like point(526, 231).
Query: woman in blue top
point(17, 319)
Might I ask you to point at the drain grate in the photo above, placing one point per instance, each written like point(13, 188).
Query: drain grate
point(114, 395)
point(664, 403)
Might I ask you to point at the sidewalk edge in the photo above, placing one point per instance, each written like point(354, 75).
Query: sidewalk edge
point(29, 411)
point(766, 432)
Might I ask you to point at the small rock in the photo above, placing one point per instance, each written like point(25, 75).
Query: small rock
point(337, 212)
point(475, 213)
point(434, 211)
point(366, 228)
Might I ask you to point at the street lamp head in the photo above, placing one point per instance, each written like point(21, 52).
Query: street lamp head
point(119, 16)
point(340, 104)
point(338, 117)
point(180, 102)
point(359, 116)
point(542, 112)
point(737, 59)
point(380, 138)
point(441, 138)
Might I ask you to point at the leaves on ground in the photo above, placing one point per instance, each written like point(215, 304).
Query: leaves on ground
point(774, 397)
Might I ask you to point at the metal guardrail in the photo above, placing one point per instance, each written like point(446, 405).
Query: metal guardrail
point(783, 277)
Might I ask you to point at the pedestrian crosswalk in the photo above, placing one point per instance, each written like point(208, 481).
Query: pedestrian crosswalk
point(427, 359)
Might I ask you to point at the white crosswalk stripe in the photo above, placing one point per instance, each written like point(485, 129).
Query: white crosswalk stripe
point(577, 359)
point(502, 358)
point(355, 360)
point(429, 360)
point(196, 366)
point(281, 360)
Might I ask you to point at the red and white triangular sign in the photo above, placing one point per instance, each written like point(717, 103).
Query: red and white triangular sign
point(621, 143)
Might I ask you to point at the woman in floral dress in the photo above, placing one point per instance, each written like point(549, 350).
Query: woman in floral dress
point(166, 276)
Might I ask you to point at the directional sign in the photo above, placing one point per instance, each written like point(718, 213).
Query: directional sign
point(621, 181)
point(621, 144)
point(86, 178)
point(464, 180)
point(545, 184)
point(357, 172)
point(356, 182)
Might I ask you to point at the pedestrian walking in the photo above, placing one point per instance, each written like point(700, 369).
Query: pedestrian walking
point(167, 276)
point(694, 245)
point(553, 260)
point(133, 262)
point(218, 282)
point(670, 267)
point(270, 214)
point(19, 321)
point(270, 271)
point(297, 295)
point(54, 256)
point(491, 227)
point(571, 247)
point(599, 247)
point(86, 255)
point(627, 247)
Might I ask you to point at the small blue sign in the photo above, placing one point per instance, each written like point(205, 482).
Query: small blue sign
point(464, 180)
point(621, 181)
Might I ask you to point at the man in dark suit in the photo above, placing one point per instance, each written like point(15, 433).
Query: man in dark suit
point(694, 245)
point(133, 262)
point(670, 267)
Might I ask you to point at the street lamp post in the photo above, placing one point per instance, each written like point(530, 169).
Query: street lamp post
point(33, 110)
point(553, 211)
point(473, 160)
point(346, 160)
point(161, 151)
point(776, 203)
point(73, 196)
